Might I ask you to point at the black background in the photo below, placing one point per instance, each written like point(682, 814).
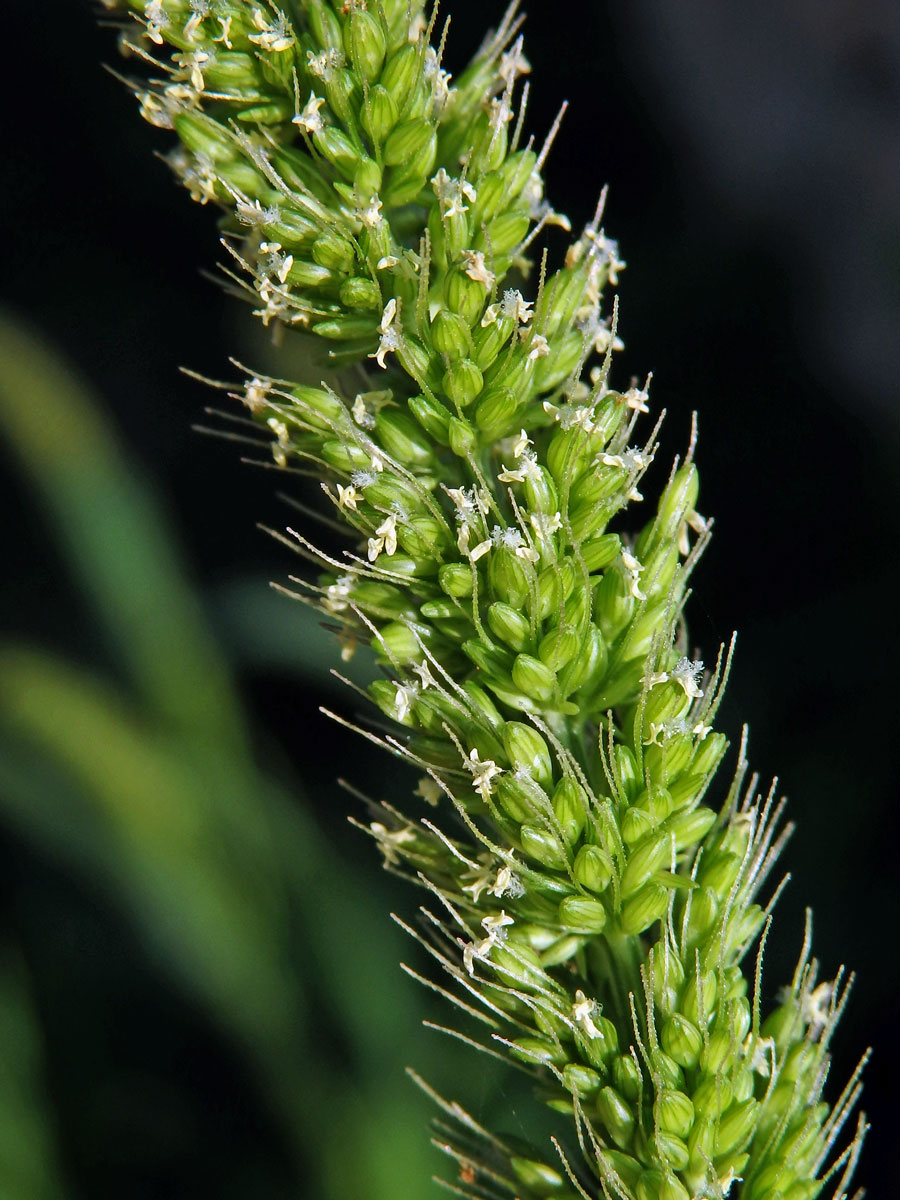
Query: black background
point(754, 170)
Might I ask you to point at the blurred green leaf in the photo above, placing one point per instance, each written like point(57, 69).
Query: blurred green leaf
point(28, 1157)
point(227, 880)
point(174, 813)
point(114, 536)
point(264, 630)
point(209, 881)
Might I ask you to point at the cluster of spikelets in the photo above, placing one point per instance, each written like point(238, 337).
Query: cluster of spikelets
point(589, 909)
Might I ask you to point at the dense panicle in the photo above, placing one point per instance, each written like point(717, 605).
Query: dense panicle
point(591, 893)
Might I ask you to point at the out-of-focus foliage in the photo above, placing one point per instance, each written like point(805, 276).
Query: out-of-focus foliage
point(28, 1160)
point(138, 783)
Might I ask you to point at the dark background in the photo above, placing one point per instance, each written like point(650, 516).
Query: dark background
point(753, 159)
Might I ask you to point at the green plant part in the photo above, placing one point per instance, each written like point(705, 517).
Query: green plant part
point(594, 889)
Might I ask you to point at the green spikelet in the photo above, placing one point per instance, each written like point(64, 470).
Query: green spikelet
point(594, 888)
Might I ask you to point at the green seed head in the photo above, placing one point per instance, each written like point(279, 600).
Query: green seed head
point(593, 880)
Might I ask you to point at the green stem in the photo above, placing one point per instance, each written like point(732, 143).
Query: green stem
point(614, 963)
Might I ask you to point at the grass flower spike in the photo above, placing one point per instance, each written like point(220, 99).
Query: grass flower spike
point(592, 889)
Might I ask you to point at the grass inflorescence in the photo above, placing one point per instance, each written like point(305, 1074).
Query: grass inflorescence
point(596, 901)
